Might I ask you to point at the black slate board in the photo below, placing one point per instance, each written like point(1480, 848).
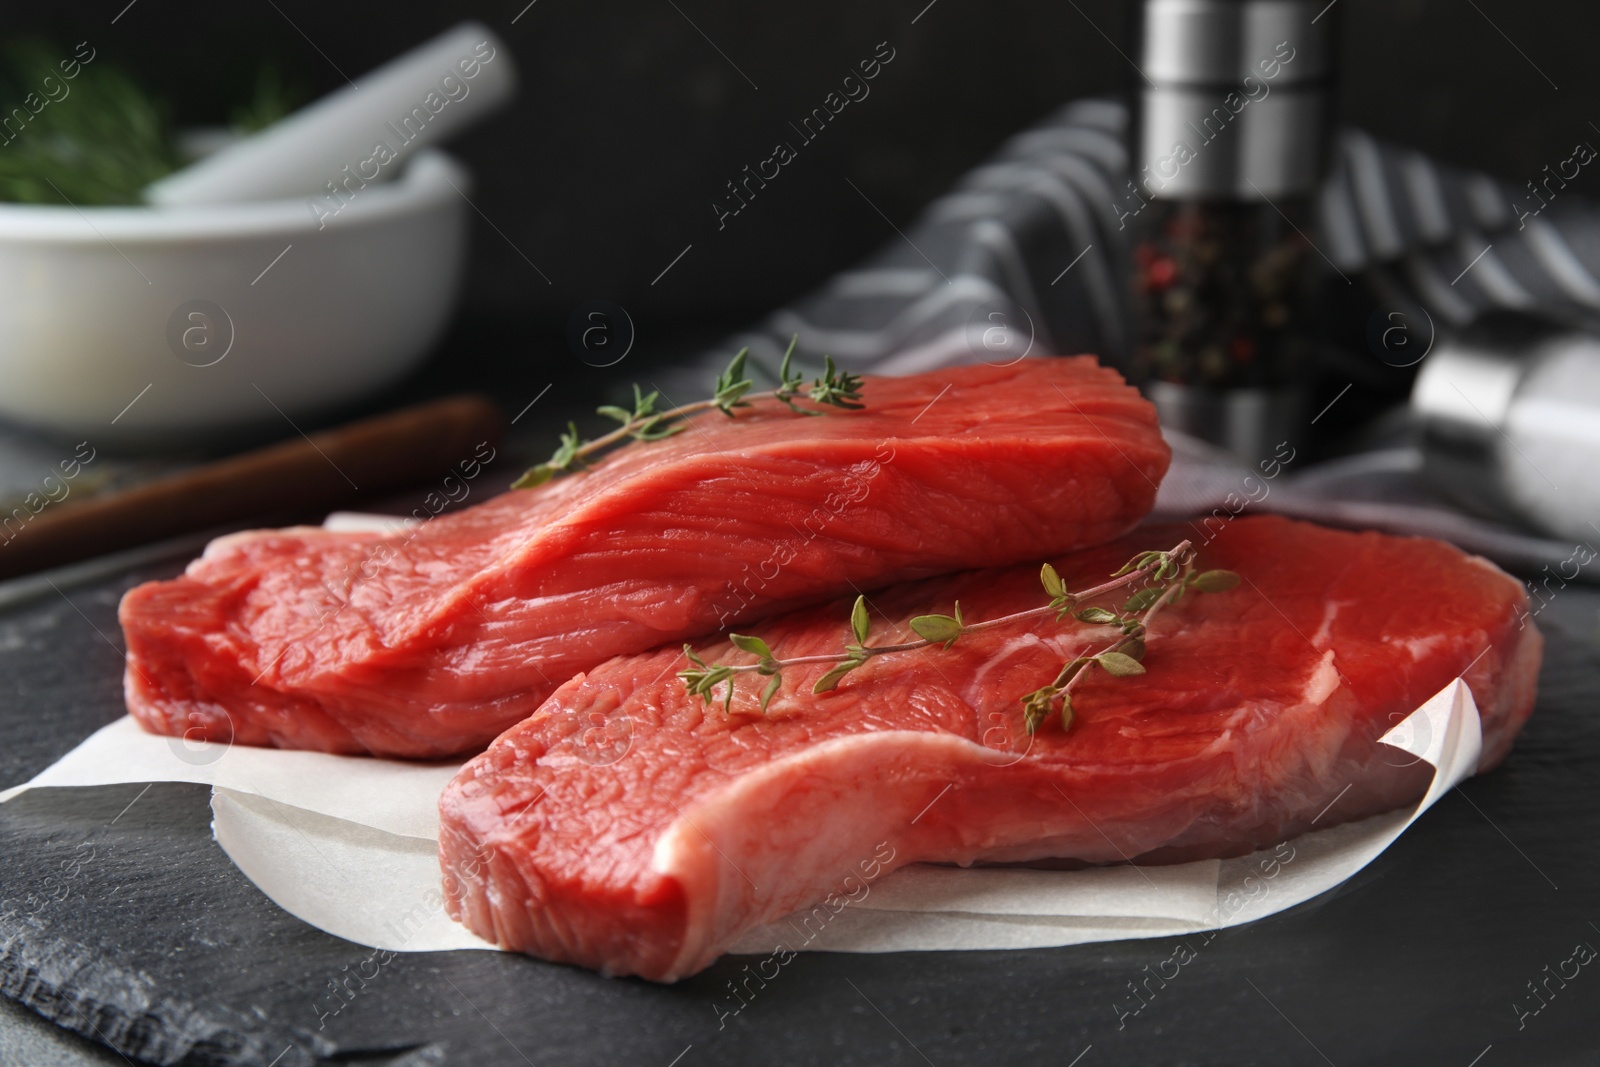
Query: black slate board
point(122, 920)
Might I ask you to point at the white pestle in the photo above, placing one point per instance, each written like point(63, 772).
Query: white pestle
point(328, 150)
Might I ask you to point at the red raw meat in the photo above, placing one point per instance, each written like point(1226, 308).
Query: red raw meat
point(432, 643)
point(626, 826)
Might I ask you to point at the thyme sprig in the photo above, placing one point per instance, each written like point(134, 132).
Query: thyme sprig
point(1123, 656)
point(730, 392)
point(1169, 576)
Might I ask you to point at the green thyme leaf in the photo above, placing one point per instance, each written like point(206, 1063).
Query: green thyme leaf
point(1139, 562)
point(837, 387)
point(1067, 714)
point(940, 629)
point(1214, 581)
point(1142, 599)
point(610, 411)
point(829, 681)
point(534, 476)
point(770, 691)
point(790, 383)
point(1097, 615)
point(787, 379)
point(651, 429)
point(753, 645)
point(563, 456)
point(1071, 669)
point(860, 624)
point(1036, 707)
point(1053, 585)
point(1118, 664)
point(732, 384)
point(700, 680)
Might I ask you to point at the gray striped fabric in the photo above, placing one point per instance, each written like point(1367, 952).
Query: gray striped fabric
point(1036, 231)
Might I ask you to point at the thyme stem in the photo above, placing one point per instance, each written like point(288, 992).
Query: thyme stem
point(1171, 574)
point(731, 390)
point(1133, 640)
point(974, 627)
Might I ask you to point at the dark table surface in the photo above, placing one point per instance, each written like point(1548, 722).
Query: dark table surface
point(121, 920)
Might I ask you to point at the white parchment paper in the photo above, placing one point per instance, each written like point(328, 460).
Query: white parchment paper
point(350, 845)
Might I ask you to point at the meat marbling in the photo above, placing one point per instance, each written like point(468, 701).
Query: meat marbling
point(432, 642)
point(629, 828)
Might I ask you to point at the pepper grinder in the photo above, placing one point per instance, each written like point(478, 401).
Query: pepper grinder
point(1228, 147)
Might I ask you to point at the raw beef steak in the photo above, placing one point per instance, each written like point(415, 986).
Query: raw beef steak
point(630, 828)
point(433, 642)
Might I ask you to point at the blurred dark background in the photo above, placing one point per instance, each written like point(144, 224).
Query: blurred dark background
point(633, 116)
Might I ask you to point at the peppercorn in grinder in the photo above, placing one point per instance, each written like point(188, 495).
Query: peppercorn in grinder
point(1228, 147)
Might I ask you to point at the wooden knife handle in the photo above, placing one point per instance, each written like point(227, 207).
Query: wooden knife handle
point(304, 474)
